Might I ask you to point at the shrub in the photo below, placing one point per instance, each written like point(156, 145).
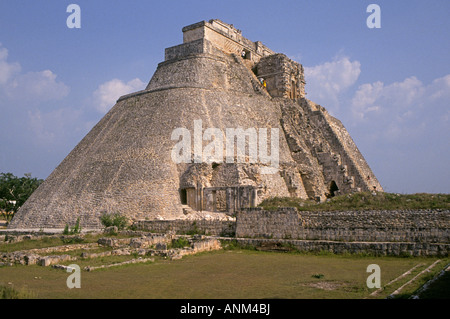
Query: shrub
point(73, 230)
point(115, 219)
point(180, 243)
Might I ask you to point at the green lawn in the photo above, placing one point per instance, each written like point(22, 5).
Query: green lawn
point(222, 274)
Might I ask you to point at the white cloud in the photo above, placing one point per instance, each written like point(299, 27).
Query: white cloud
point(107, 93)
point(7, 70)
point(28, 99)
point(326, 81)
point(439, 88)
point(406, 109)
point(400, 98)
point(37, 86)
point(364, 100)
point(28, 87)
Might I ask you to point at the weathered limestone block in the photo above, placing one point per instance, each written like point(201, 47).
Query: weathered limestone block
point(161, 246)
point(121, 252)
point(205, 245)
point(113, 242)
point(52, 260)
point(95, 255)
point(148, 241)
point(31, 259)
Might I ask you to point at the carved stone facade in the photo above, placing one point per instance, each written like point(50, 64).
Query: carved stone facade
point(284, 77)
point(226, 38)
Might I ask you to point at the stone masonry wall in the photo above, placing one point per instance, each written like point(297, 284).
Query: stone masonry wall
point(284, 77)
point(342, 144)
point(207, 227)
point(424, 226)
point(342, 247)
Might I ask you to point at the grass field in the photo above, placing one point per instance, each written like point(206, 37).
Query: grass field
point(234, 273)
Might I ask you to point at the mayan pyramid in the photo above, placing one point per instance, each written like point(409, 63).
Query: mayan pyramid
point(216, 79)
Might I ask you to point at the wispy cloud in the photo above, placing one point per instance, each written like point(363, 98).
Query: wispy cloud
point(377, 96)
point(30, 87)
point(37, 86)
point(403, 109)
point(402, 127)
point(325, 82)
point(7, 69)
point(107, 93)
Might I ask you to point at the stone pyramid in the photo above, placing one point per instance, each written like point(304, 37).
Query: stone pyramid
point(216, 80)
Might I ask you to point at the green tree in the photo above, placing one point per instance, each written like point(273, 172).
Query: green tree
point(14, 191)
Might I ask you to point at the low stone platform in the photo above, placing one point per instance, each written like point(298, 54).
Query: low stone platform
point(340, 247)
point(146, 245)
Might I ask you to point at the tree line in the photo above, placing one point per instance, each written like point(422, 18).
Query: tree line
point(14, 191)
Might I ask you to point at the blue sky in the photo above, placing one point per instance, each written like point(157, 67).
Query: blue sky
point(390, 86)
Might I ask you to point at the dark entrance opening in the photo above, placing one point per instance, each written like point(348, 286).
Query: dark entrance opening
point(245, 54)
point(183, 197)
point(333, 189)
point(293, 90)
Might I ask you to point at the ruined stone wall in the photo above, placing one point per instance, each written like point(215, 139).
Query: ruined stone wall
point(190, 48)
point(206, 227)
point(284, 77)
point(225, 37)
point(324, 150)
point(415, 233)
point(363, 179)
point(342, 247)
point(303, 140)
point(368, 226)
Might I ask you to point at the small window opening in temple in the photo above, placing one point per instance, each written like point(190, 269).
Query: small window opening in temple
point(333, 189)
point(183, 197)
point(214, 165)
point(245, 54)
